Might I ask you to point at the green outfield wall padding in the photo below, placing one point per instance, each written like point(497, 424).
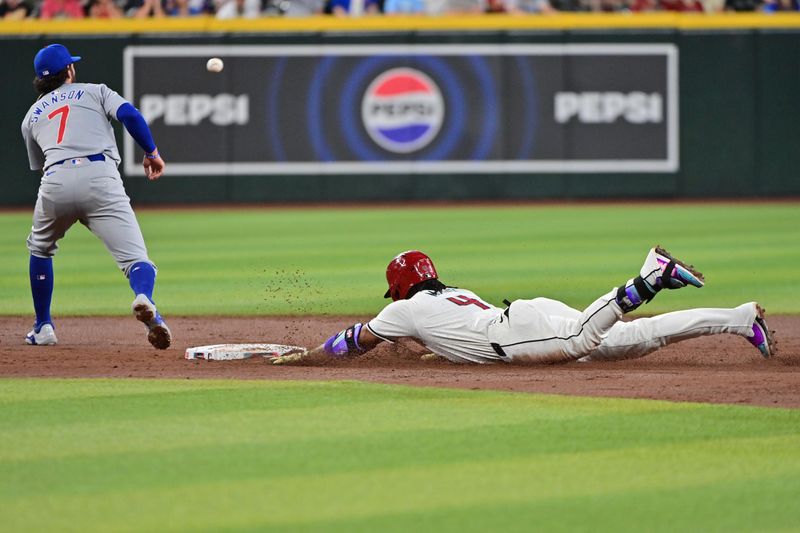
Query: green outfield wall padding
point(736, 95)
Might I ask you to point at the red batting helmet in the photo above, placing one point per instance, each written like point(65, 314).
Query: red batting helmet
point(405, 271)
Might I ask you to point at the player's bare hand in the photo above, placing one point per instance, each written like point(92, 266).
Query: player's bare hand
point(298, 356)
point(153, 167)
point(289, 358)
point(430, 357)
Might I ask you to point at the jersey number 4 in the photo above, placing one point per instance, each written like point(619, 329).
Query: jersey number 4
point(466, 300)
point(64, 112)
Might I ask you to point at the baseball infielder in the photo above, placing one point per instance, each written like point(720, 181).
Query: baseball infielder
point(69, 138)
point(458, 325)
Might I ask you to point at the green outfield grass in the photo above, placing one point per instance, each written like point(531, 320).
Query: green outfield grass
point(126, 455)
point(332, 261)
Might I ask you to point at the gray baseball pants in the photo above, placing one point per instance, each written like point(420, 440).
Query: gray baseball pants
point(89, 192)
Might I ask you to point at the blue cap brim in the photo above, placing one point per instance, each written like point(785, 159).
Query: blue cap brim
point(75, 59)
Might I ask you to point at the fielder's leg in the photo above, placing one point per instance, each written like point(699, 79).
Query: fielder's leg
point(108, 214)
point(41, 275)
point(142, 277)
point(53, 215)
point(629, 340)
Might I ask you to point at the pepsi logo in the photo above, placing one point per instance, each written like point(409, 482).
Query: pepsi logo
point(402, 110)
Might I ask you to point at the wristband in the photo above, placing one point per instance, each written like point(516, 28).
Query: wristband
point(344, 343)
point(153, 155)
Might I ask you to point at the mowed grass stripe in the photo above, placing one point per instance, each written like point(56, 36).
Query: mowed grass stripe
point(278, 412)
point(357, 494)
point(365, 453)
point(717, 507)
point(275, 415)
point(317, 261)
point(352, 456)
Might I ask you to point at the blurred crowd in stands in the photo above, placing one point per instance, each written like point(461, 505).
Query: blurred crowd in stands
point(226, 9)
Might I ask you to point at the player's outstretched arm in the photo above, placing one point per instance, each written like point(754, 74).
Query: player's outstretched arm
point(349, 342)
point(137, 127)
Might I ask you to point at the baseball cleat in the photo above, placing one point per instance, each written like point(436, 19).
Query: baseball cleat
point(157, 331)
point(663, 271)
point(762, 338)
point(46, 336)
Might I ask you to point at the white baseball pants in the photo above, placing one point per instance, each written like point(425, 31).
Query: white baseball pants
point(545, 330)
point(629, 340)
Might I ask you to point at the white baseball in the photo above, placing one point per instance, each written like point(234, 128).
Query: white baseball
point(214, 64)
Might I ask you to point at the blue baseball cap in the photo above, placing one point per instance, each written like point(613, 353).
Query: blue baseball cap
point(52, 59)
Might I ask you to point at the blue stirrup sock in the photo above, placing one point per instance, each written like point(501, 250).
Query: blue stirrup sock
point(41, 273)
point(142, 277)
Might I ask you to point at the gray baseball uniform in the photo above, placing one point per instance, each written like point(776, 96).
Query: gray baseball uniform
point(68, 134)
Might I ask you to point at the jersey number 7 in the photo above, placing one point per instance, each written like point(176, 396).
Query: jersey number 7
point(64, 112)
point(466, 300)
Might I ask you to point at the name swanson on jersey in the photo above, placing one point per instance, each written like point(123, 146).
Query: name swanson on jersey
point(56, 97)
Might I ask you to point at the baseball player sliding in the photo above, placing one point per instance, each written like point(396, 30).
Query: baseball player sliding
point(458, 325)
point(69, 138)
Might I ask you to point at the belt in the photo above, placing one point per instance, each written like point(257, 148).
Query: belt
point(496, 347)
point(93, 157)
point(498, 350)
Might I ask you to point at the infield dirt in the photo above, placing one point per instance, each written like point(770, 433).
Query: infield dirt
point(719, 369)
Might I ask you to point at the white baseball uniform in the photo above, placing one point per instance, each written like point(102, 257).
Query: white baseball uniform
point(458, 325)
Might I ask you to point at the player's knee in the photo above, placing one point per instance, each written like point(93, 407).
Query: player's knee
point(38, 252)
point(40, 249)
point(583, 345)
point(128, 266)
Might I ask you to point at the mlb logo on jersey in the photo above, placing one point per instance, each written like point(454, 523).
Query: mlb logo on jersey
point(402, 110)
